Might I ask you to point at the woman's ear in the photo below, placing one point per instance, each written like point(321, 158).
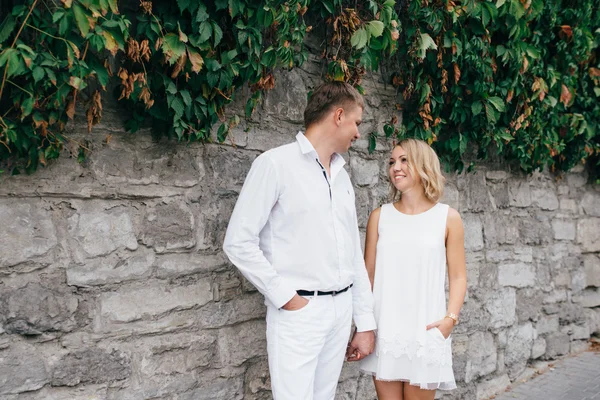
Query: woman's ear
point(338, 115)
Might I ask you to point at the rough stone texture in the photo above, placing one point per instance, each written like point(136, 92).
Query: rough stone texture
point(481, 356)
point(113, 284)
point(90, 366)
point(131, 304)
point(27, 231)
point(21, 370)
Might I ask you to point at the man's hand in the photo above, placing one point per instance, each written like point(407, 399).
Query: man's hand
point(362, 344)
point(297, 302)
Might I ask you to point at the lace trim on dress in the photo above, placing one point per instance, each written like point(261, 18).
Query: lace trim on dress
point(432, 352)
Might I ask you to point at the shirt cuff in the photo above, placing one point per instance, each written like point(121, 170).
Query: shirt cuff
point(365, 322)
point(280, 295)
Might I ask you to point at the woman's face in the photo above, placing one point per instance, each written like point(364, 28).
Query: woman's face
point(400, 175)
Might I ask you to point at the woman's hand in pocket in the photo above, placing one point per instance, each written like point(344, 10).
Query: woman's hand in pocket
point(445, 325)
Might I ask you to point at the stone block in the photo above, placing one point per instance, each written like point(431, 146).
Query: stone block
point(242, 342)
point(523, 254)
point(528, 304)
point(591, 204)
point(364, 172)
point(501, 305)
point(128, 304)
point(516, 275)
point(182, 264)
point(99, 231)
point(576, 180)
point(211, 386)
point(547, 324)
point(591, 268)
point(228, 167)
point(34, 309)
point(518, 347)
point(563, 229)
point(473, 232)
point(588, 298)
point(578, 281)
point(568, 205)
point(22, 370)
point(544, 198)
point(519, 194)
point(593, 320)
point(117, 267)
point(556, 296)
point(557, 344)
point(497, 176)
point(588, 234)
point(451, 196)
point(492, 387)
point(539, 348)
point(481, 356)
point(499, 229)
point(477, 195)
point(287, 100)
point(535, 230)
point(168, 226)
point(239, 309)
point(258, 380)
point(91, 366)
point(213, 221)
point(176, 355)
point(28, 231)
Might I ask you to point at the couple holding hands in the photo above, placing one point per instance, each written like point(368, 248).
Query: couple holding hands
point(294, 235)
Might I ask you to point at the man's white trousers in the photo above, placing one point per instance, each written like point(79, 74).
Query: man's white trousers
point(306, 347)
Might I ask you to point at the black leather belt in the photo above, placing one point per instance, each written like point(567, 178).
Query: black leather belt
point(319, 293)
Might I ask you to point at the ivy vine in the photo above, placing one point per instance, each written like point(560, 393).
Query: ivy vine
point(518, 79)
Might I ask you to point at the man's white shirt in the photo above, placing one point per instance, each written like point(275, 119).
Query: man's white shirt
point(293, 227)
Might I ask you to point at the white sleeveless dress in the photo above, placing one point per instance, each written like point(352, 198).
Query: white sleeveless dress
point(410, 273)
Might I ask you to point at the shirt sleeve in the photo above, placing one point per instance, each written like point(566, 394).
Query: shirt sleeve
point(257, 197)
point(362, 296)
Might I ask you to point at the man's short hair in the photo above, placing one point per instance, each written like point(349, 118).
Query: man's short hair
point(330, 95)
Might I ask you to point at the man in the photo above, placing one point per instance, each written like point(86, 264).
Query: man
point(294, 235)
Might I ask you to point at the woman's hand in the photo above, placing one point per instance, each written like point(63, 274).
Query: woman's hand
point(445, 325)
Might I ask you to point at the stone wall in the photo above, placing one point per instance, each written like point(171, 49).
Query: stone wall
point(114, 286)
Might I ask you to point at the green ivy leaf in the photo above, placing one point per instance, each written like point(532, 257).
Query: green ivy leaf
point(217, 33)
point(201, 15)
point(177, 106)
point(375, 28)
point(7, 27)
point(187, 98)
point(476, 108)
point(372, 142)
point(172, 47)
point(359, 38)
point(38, 74)
point(82, 19)
point(26, 107)
point(497, 103)
point(205, 31)
point(425, 43)
point(183, 5)
point(222, 133)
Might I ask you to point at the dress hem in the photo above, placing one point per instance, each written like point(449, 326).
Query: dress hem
point(440, 385)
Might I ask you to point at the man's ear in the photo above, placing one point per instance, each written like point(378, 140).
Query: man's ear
point(337, 116)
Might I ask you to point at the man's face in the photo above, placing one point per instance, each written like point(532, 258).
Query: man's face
point(350, 119)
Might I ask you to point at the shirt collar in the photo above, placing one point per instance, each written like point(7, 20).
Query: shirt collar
point(306, 147)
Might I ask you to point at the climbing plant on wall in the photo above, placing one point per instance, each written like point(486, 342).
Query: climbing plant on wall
point(515, 78)
point(519, 78)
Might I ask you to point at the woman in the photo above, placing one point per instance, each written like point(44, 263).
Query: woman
point(408, 245)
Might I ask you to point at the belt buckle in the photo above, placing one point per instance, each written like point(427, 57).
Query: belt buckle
point(335, 293)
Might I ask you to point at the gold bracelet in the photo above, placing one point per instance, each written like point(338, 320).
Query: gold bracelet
point(453, 317)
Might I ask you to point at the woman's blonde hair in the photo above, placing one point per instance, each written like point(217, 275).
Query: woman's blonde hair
point(424, 162)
